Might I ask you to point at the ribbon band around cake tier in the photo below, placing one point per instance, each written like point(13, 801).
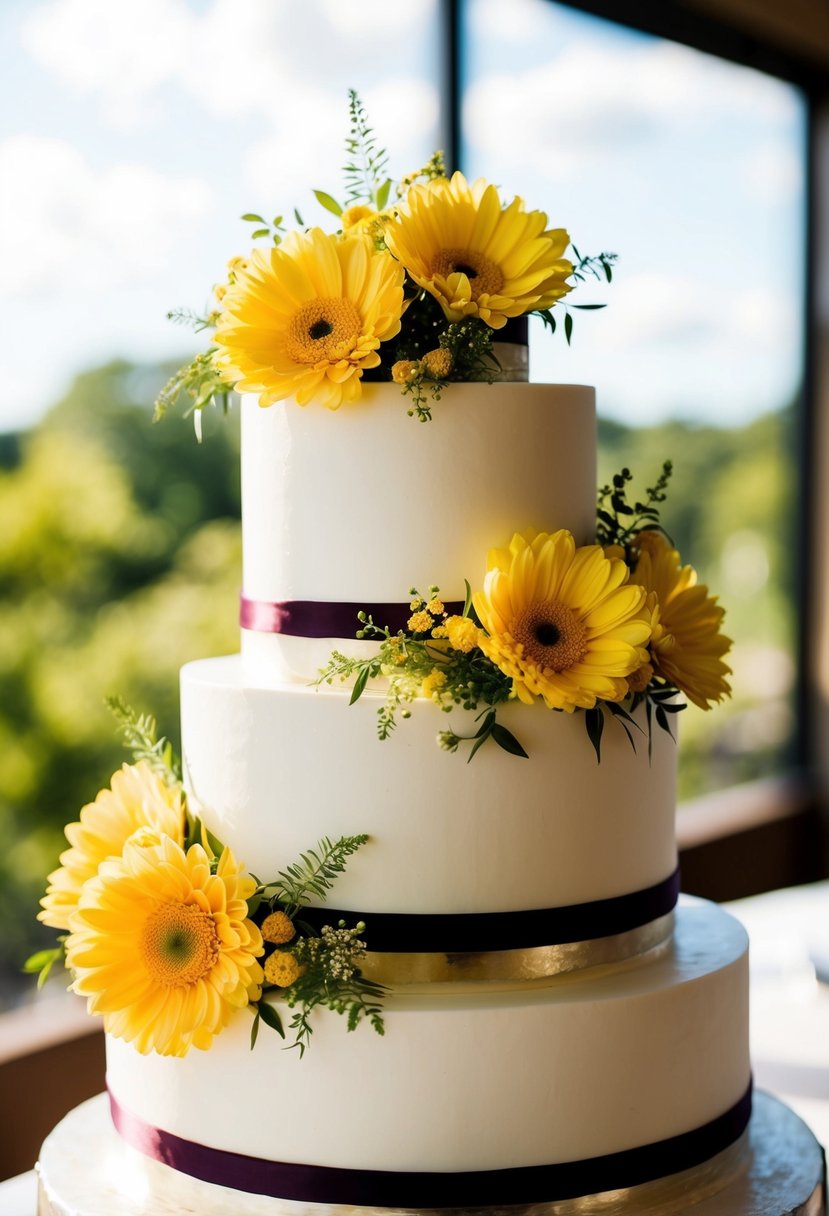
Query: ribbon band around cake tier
point(420, 948)
point(420, 1190)
point(324, 618)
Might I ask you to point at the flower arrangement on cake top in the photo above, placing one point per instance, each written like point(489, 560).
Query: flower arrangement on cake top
point(609, 626)
point(166, 935)
point(414, 289)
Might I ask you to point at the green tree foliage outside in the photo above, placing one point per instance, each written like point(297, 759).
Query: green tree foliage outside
point(120, 560)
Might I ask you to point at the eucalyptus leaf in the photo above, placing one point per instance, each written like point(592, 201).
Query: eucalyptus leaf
point(383, 194)
point(507, 740)
point(252, 218)
point(271, 1018)
point(329, 203)
point(254, 1030)
point(594, 724)
point(568, 326)
point(36, 962)
point(359, 685)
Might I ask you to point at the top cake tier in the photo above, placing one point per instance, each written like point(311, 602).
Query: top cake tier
point(354, 507)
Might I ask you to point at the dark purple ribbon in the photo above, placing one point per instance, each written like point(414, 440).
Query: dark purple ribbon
point(457, 933)
point(323, 619)
point(477, 1188)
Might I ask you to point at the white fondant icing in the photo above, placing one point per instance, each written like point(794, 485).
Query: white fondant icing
point(471, 1078)
point(358, 504)
point(276, 769)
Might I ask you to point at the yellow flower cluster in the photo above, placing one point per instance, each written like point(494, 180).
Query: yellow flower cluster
point(574, 626)
point(278, 928)
point(163, 948)
point(563, 622)
point(282, 969)
point(160, 945)
point(306, 318)
point(687, 646)
point(433, 683)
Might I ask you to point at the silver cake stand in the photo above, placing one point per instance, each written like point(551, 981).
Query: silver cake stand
point(776, 1169)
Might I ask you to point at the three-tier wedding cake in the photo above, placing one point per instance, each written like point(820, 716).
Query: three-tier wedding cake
point(553, 1023)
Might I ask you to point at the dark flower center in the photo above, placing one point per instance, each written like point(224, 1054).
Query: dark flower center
point(547, 633)
point(469, 271)
point(320, 329)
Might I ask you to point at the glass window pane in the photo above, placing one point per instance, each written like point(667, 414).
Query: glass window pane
point(691, 169)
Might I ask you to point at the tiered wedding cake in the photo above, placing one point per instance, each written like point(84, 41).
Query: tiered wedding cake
point(553, 1025)
point(598, 1028)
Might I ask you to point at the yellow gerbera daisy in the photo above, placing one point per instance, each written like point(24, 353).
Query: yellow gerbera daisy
point(305, 319)
point(475, 257)
point(138, 799)
point(563, 622)
point(687, 646)
point(163, 949)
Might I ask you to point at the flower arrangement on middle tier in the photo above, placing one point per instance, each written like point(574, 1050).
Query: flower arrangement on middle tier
point(413, 288)
point(603, 627)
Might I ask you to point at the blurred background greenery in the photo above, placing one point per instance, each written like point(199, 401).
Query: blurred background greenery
point(120, 559)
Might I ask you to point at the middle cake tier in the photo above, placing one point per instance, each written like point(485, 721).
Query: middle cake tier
point(557, 840)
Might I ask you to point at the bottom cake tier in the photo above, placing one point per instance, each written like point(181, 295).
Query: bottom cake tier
point(478, 1094)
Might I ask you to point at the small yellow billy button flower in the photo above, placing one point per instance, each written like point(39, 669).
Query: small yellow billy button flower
point(358, 214)
point(420, 622)
point(433, 683)
point(437, 363)
point(435, 606)
point(463, 633)
point(277, 928)
point(404, 371)
point(282, 969)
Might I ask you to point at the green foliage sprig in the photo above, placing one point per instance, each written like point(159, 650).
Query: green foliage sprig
point(200, 381)
point(413, 661)
point(313, 874)
point(139, 733)
point(617, 520)
point(272, 229)
point(598, 266)
point(366, 173)
point(331, 977)
point(42, 961)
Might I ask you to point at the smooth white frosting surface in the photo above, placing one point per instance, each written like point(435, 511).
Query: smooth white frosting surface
point(473, 1078)
point(359, 504)
point(276, 769)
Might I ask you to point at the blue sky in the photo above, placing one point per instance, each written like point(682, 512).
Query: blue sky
point(132, 136)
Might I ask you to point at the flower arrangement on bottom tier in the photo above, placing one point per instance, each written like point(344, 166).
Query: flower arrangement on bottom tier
point(166, 935)
point(602, 627)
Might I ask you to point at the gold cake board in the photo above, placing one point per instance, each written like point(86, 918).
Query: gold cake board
point(776, 1169)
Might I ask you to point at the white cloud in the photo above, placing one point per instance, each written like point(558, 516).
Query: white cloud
point(122, 51)
point(654, 309)
point(773, 173)
point(236, 57)
point(584, 102)
point(66, 226)
point(287, 164)
point(352, 19)
point(513, 22)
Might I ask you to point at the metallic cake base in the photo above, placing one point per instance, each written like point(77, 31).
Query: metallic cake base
point(776, 1169)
